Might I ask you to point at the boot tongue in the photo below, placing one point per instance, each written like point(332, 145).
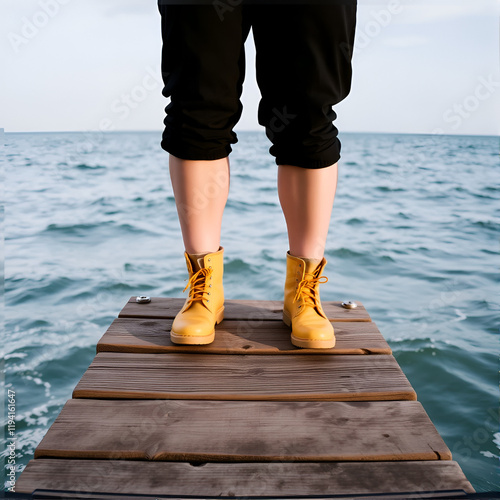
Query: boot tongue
point(197, 261)
point(311, 266)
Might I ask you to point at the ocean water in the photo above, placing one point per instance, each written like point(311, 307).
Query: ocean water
point(90, 220)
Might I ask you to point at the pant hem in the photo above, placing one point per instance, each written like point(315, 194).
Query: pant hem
point(195, 154)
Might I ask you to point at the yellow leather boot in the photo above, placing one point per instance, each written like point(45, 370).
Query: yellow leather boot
point(302, 309)
point(204, 307)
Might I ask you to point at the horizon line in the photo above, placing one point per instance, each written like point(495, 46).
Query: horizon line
point(2, 130)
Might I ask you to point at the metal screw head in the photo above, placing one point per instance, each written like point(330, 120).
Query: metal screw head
point(142, 299)
point(349, 304)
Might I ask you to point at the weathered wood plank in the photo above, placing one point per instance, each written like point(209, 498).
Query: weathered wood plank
point(238, 337)
point(65, 495)
point(243, 431)
point(241, 479)
point(244, 377)
point(252, 310)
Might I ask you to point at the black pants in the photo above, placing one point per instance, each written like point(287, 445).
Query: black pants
point(303, 67)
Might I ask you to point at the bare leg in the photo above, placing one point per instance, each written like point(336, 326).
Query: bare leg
point(306, 197)
point(200, 189)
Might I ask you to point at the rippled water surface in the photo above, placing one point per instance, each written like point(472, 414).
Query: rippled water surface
point(90, 220)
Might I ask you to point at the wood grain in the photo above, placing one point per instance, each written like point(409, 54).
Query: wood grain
point(250, 310)
point(243, 431)
point(244, 377)
point(241, 479)
point(238, 337)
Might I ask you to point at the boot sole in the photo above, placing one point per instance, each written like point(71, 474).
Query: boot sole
point(311, 344)
point(197, 340)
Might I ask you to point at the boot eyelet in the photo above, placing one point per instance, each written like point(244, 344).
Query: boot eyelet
point(209, 260)
point(208, 293)
point(210, 286)
point(209, 267)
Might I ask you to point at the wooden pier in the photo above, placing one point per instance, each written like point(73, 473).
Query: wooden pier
point(249, 415)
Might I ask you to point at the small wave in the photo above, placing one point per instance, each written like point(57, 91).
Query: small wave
point(102, 289)
point(103, 201)
point(385, 258)
point(388, 189)
point(388, 164)
point(489, 252)
point(27, 290)
point(344, 252)
point(244, 177)
point(84, 166)
point(238, 205)
point(237, 266)
point(73, 229)
point(412, 344)
point(15, 355)
point(492, 189)
point(354, 221)
point(84, 229)
point(487, 224)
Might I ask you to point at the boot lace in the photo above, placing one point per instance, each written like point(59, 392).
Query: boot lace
point(307, 289)
point(196, 285)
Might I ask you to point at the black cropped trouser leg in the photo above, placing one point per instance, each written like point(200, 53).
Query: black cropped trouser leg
point(303, 67)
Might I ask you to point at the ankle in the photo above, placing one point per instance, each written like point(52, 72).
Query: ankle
point(309, 259)
point(200, 253)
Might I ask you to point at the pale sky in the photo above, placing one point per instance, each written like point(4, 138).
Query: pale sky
point(78, 65)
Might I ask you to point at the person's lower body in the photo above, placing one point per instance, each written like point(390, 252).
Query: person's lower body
point(303, 63)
